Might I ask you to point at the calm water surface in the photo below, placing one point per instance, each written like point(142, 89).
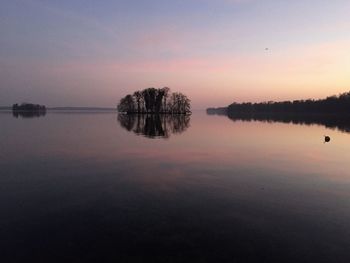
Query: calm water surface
point(103, 188)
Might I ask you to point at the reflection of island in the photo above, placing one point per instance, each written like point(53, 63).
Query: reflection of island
point(154, 125)
point(340, 122)
point(28, 110)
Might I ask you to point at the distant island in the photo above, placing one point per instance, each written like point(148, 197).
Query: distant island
point(28, 107)
point(331, 105)
point(28, 110)
point(155, 101)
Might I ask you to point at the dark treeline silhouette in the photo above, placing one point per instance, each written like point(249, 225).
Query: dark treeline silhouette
point(340, 122)
point(28, 110)
point(332, 112)
point(154, 125)
point(28, 107)
point(155, 101)
point(331, 105)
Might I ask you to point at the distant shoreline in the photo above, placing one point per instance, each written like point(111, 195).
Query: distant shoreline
point(81, 109)
point(337, 105)
point(74, 109)
point(6, 108)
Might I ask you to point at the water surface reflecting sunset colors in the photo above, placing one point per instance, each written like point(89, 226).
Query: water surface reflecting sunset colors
point(80, 187)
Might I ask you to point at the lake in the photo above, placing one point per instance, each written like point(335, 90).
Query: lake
point(98, 187)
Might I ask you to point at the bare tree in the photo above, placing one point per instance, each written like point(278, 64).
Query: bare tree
point(155, 101)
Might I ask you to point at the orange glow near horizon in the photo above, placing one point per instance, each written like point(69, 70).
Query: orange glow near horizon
point(311, 72)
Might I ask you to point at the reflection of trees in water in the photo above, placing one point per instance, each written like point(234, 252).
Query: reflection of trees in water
point(28, 114)
point(340, 122)
point(154, 125)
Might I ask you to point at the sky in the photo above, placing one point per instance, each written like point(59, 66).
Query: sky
point(92, 53)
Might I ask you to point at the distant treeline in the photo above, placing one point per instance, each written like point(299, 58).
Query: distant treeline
point(155, 101)
point(332, 112)
point(331, 105)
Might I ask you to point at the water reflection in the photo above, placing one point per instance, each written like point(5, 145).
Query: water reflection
point(28, 114)
point(79, 188)
point(340, 122)
point(154, 125)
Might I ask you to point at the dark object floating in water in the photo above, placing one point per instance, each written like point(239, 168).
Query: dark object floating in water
point(327, 139)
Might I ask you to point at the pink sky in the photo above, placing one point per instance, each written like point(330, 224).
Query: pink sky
point(214, 53)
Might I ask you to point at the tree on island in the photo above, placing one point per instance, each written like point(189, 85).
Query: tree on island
point(28, 107)
point(155, 101)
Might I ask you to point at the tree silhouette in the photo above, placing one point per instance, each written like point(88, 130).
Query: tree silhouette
point(331, 105)
point(139, 99)
point(127, 104)
point(155, 101)
point(332, 112)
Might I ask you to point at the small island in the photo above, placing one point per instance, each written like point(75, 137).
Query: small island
point(27, 110)
point(155, 101)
